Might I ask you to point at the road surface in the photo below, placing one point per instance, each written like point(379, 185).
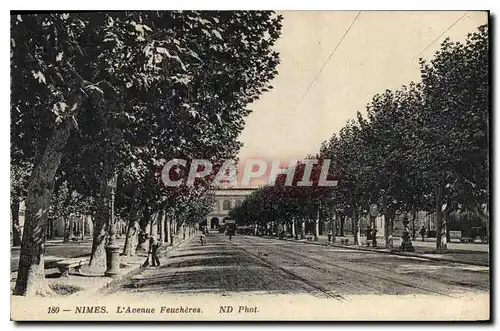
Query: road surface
point(259, 265)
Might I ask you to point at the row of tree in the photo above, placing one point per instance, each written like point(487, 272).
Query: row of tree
point(423, 147)
point(99, 95)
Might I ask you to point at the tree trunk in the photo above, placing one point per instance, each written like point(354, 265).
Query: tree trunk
point(16, 230)
point(98, 255)
point(31, 276)
point(168, 225)
point(161, 226)
point(441, 243)
point(132, 233)
point(333, 227)
point(294, 234)
point(357, 229)
point(145, 220)
point(67, 231)
point(144, 245)
point(342, 222)
point(174, 225)
point(50, 228)
point(303, 230)
point(355, 221)
point(73, 228)
point(413, 230)
point(388, 228)
point(487, 222)
point(316, 227)
point(152, 223)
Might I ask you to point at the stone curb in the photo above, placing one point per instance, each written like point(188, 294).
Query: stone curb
point(384, 251)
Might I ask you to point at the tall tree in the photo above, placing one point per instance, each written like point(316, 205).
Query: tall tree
point(142, 66)
point(452, 149)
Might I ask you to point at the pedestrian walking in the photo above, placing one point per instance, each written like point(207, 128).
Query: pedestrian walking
point(154, 246)
point(203, 239)
point(422, 232)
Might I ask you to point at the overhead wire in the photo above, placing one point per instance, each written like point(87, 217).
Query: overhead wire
point(327, 60)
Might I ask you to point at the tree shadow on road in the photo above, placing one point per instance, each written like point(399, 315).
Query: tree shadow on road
point(202, 254)
point(210, 273)
point(209, 280)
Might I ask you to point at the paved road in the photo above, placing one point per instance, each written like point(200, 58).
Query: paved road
point(253, 264)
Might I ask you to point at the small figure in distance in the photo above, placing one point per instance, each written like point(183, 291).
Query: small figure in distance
point(203, 239)
point(422, 232)
point(154, 246)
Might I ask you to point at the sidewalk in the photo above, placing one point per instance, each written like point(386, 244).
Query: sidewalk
point(474, 254)
point(135, 267)
point(56, 250)
point(91, 282)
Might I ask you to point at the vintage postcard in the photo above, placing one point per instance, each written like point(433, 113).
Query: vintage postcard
point(250, 165)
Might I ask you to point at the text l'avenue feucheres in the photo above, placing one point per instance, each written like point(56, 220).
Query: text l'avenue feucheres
point(138, 310)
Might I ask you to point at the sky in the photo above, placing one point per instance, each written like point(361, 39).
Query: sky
point(379, 52)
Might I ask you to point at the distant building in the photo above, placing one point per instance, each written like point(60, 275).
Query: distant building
point(226, 200)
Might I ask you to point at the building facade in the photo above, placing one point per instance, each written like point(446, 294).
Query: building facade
point(226, 200)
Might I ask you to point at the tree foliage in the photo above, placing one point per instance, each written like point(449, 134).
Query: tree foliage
point(98, 94)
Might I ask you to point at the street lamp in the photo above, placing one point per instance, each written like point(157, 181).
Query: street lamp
point(112, 249)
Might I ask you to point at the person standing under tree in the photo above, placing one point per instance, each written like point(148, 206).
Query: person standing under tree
point(154, 245)
point(422, 232)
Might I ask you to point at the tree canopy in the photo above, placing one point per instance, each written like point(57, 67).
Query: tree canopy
point(105, 93)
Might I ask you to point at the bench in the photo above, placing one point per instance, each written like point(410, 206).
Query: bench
point(344, 241)
point(65, 265)
point(309, 237)
point(455, 235)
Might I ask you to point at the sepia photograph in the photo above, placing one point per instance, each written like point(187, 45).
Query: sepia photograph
point(250, 165)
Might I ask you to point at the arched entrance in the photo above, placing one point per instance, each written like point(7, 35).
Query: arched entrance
point(214, 223)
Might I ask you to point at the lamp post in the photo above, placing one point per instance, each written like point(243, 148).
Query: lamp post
point(112, 249)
